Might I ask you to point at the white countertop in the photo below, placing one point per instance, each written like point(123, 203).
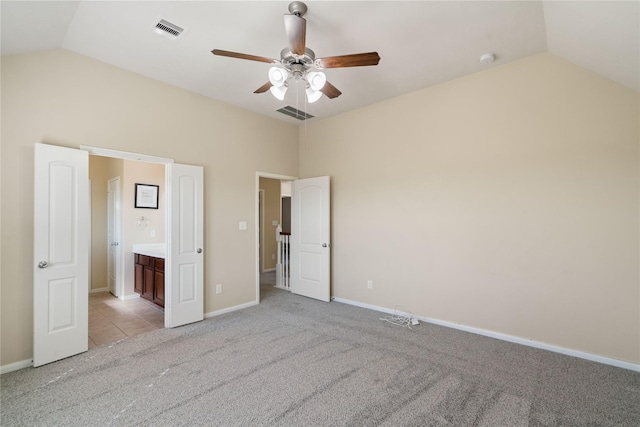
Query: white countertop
point(156, 250)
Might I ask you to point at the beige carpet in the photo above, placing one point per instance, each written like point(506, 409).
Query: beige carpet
point(292, 361)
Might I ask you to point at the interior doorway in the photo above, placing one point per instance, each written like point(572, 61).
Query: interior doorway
point(114, 311)
point(269, 221)
point(61, 256)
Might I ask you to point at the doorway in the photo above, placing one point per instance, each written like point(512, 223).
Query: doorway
point(61, 261)
point(114, 311)
point(269, 217)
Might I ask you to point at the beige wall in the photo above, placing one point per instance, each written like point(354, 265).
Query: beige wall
point(271, 189)
point(67, 99)
point(140, 173)
point(507, 201)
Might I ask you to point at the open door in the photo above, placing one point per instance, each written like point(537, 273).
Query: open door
point(61, 253)
point(310, 232)
point(185, 246)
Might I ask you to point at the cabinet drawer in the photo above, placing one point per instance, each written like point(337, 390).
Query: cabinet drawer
point(159, 264)
point(144, 260)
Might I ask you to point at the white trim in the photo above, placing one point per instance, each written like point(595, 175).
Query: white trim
point(130, 296)
point(505, 337)
point(118, 236)
point(268, 270)
point(127, 155)
point(96, 290)
point(261, 215)
point(230, 309)
point(256, 214)
point(16, 366)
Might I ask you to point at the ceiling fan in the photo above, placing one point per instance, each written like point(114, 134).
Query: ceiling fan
point(299, 63)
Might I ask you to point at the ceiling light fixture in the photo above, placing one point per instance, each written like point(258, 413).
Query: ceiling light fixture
point(278, 76)
point(313, 95)
point(314, 81)
point(278, 91)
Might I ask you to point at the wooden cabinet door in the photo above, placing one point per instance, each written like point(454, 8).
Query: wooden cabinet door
point(158, 296)
point(139, 278)
point(147, 283)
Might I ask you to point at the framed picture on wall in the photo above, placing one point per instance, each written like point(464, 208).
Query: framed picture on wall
point(147, 196)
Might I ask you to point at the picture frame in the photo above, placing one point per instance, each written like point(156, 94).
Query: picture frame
point(147, 196)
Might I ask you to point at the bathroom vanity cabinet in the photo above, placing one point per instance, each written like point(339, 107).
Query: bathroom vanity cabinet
point(149, 278)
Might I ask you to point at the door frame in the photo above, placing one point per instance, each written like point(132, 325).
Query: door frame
point(261, 230)
point(257, 225)
point(126, 155)
point(119, 256)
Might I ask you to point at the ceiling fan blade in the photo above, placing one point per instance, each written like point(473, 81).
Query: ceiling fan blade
point(330, 91)
point(296, 28)
point(265, 87)
point(354, 60)
point(243, 56)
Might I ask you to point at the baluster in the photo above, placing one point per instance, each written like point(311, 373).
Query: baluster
point(279, 255)
point(287, 259)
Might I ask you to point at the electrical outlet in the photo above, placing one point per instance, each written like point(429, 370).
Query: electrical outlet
point(273, 256)
point(369, 284)
point(219, 288)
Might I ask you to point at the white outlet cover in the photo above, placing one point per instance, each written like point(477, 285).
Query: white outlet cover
point(242, 225)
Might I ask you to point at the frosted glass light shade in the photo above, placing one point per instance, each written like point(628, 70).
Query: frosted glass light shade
point(316, 80)
point(313, 95)
point(277, 76)
point(278, 91)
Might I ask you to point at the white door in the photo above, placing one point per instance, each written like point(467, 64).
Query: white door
point(310, 246)
point(61, 253)
point(185, 246)
point(113, 236)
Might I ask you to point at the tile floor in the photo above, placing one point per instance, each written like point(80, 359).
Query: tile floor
point(111, 319)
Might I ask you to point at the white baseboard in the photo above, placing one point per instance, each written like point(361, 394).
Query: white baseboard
point(15, 366)
point(130, 296)
point(268, 270)
point(505, 337)
point(95, 291)
point(230, 309)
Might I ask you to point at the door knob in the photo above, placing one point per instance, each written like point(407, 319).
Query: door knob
point(199, 250)
point(43, 264)
point(324, 245)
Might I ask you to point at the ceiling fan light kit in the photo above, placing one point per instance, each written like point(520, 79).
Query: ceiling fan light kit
point(278, 91)
point(278, 76)
point(299, 63)
point(312, 95)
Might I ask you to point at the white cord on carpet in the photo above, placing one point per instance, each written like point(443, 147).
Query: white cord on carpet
point(403, 318)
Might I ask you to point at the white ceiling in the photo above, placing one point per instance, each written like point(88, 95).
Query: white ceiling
point(421, 43)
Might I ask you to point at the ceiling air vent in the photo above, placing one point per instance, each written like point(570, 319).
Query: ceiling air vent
point(167, 29)
point(295, 113)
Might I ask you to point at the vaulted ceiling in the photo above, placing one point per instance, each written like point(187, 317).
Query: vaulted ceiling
point(421, 43)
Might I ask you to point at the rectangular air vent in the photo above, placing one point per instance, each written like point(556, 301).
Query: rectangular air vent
point(167, 29)
point(295, 113)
